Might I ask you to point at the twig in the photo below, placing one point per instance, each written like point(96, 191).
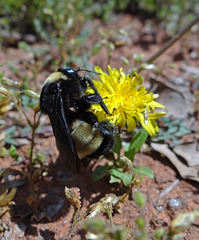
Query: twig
point(173, 40)
point(166, 190)
point(34, 127)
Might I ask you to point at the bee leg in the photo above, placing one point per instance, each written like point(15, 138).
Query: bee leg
point(86, 101)
point(107, 128)
point(101, 102)
point(90, 118)
point(82, 105)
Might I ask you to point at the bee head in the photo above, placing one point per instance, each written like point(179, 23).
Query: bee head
point(69, 72)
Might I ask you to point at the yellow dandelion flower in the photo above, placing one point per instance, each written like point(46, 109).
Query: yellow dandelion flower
point(127, 100)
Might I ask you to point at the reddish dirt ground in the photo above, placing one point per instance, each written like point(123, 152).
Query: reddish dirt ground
point(25, 222)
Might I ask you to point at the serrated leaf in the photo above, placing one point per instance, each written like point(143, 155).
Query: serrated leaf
point(141, 170)
point(172, 129)
point(73, 195)
point(182, 131)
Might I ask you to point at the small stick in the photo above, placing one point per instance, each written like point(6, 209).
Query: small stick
point(173, 40)
point(166, 190)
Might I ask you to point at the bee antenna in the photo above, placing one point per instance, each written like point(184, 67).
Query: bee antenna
point(86, 70)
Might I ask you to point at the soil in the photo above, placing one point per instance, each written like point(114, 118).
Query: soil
point(46, 213)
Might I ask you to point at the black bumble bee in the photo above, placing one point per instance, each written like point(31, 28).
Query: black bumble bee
point(77, 131)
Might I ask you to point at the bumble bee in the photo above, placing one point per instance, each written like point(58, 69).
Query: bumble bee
point(77, 131)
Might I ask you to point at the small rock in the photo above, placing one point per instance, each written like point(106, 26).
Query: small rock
point(190, 70)
point(176, 203)
point(178, 81)
point(159, 208)
point(193, 55)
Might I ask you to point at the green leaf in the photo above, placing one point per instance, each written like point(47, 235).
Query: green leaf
point(136, 143)
point(23, 45)
point(138, 58)
point(173, 130)
point(9, 82)
point(100, 172)
point(130, 154)
point(117, 172)
point(182, 131)
point(117, 145)
point(31, 94)
point(10, 135)
point(140, 222)
point(127, 179)
point(99, 229)
point(139, 139)
point(159, 233)
point(13, 151)
point(114, 179)
point(116, 175)
point(1, 73)
point(26, 129)
point(125, 61)
point(139, 199)
point(141, 170)
point(97, 47)
point(94, 225)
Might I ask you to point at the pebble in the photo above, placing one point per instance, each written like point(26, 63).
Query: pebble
point(176, 203)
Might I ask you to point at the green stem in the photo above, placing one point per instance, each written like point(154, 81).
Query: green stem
point(75, 221)
point(109, 211)
point(32, 147)
point(34, 127)
point(18, 103)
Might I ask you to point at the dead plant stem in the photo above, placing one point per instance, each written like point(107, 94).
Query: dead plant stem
point(173, 40)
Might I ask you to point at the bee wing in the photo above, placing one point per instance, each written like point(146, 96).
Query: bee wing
point(63, 137)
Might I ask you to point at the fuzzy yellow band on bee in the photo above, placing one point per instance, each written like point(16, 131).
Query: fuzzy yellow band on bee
point(88, 141)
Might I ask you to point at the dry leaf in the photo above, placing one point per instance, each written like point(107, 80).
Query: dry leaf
point(184, 171)
point(189, 152)
point(6, 197)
